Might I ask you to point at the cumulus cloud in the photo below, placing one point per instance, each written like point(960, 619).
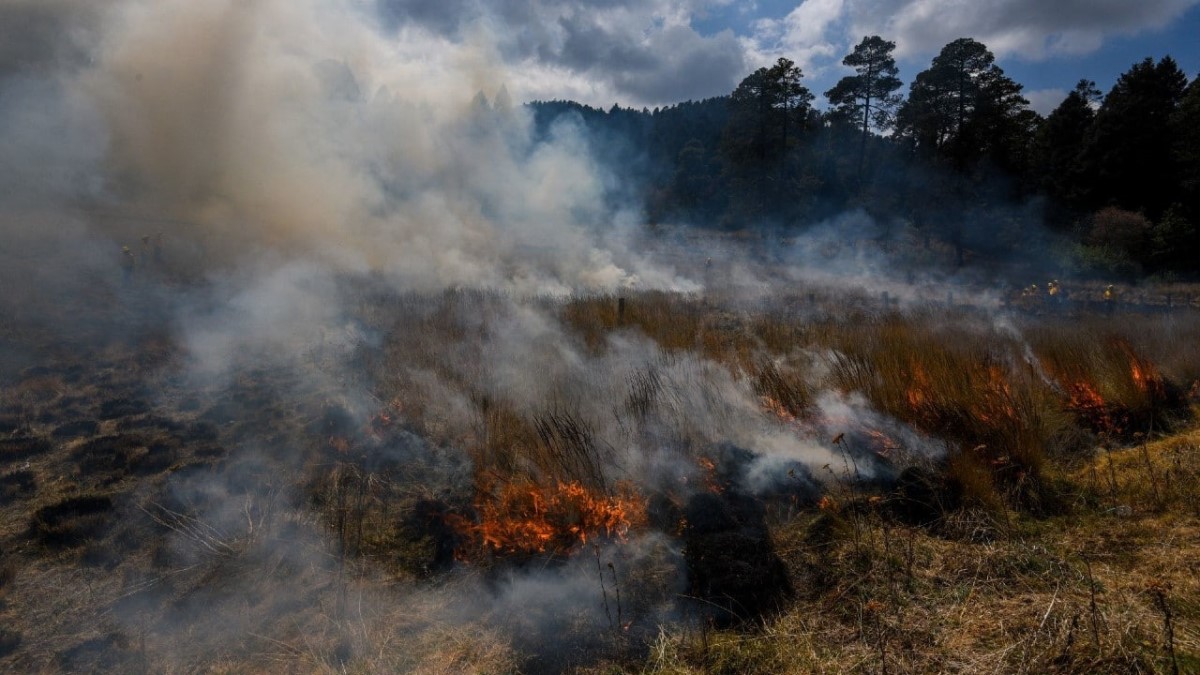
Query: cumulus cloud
point(1044, 101)
point(638, 52)
point(810, 35)
point(1025, 28)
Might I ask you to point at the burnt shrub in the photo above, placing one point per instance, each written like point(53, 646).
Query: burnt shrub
point(733, 569)
point(149, 422)
point(10, 423)
point(222, 413)
point(429, 540)
point(202, 432)
point(922, 497)
point(72, 521)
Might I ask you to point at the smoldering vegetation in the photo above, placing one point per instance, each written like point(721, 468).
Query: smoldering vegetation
point(383, 380)
point(560, 479)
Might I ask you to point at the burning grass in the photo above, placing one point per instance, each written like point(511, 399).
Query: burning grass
point(701, 488)
point(525, 518)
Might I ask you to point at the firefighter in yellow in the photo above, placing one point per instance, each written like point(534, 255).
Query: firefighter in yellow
point(1110, 297)
point(128, 262)
point(1055, 292)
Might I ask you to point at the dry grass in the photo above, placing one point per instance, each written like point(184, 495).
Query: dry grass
point(1077, 593)
point(1045, 554)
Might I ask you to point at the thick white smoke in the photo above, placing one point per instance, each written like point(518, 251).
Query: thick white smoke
point(300, 127)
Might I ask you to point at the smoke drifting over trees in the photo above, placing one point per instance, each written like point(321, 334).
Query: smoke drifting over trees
point(962, 147)
point(298, 303)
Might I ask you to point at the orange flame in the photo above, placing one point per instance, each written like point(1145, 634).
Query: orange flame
point(998, 406)
point(710, 475)
point(1143, 373)
point(882, 444)
point(918, 394)
point(1146, 377)
point(778, 409)
point(522, 517)
point(1089, 405)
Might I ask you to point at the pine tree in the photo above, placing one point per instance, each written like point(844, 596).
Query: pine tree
point(868, 95)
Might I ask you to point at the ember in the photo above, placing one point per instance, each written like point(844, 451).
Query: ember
point(918, 394)
point(1146, 377)
point(710, 475)
point(882, 444)
point(998, 400)
point(778, 409)
point(522, 517)
point(1087, 403)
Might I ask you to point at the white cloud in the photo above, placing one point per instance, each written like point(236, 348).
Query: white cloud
point(1044, 101)
point(639, 52)
point(809, 35)
point(1031, 29)
point(648, 52)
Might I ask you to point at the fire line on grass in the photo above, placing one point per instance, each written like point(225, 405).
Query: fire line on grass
point(524, 517)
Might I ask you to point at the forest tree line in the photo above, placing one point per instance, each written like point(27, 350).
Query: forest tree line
point(957, 158)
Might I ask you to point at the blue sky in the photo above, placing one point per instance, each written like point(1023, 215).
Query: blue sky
point(652, 52)
point(1047, 76)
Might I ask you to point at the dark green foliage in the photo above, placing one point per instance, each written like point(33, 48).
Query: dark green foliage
point(963, 163)
point(1130, 158)
point(964, 109)
point(868, 97)
point(1061, 168)
point(768, 114)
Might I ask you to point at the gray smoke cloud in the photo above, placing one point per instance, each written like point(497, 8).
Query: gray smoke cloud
point(286, 160)
point(302, 128)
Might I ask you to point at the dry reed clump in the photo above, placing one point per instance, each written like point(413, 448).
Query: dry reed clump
point(1109, 385)
point(999, 408)
point(1058, 596)
point(966, 387)
point(673, 321)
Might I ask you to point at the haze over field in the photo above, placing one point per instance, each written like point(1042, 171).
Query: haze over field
point(333, 338)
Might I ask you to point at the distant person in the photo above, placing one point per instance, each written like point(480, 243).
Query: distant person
point(1110, 298)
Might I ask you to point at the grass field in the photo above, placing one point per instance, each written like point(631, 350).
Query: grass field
point(662, 482)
